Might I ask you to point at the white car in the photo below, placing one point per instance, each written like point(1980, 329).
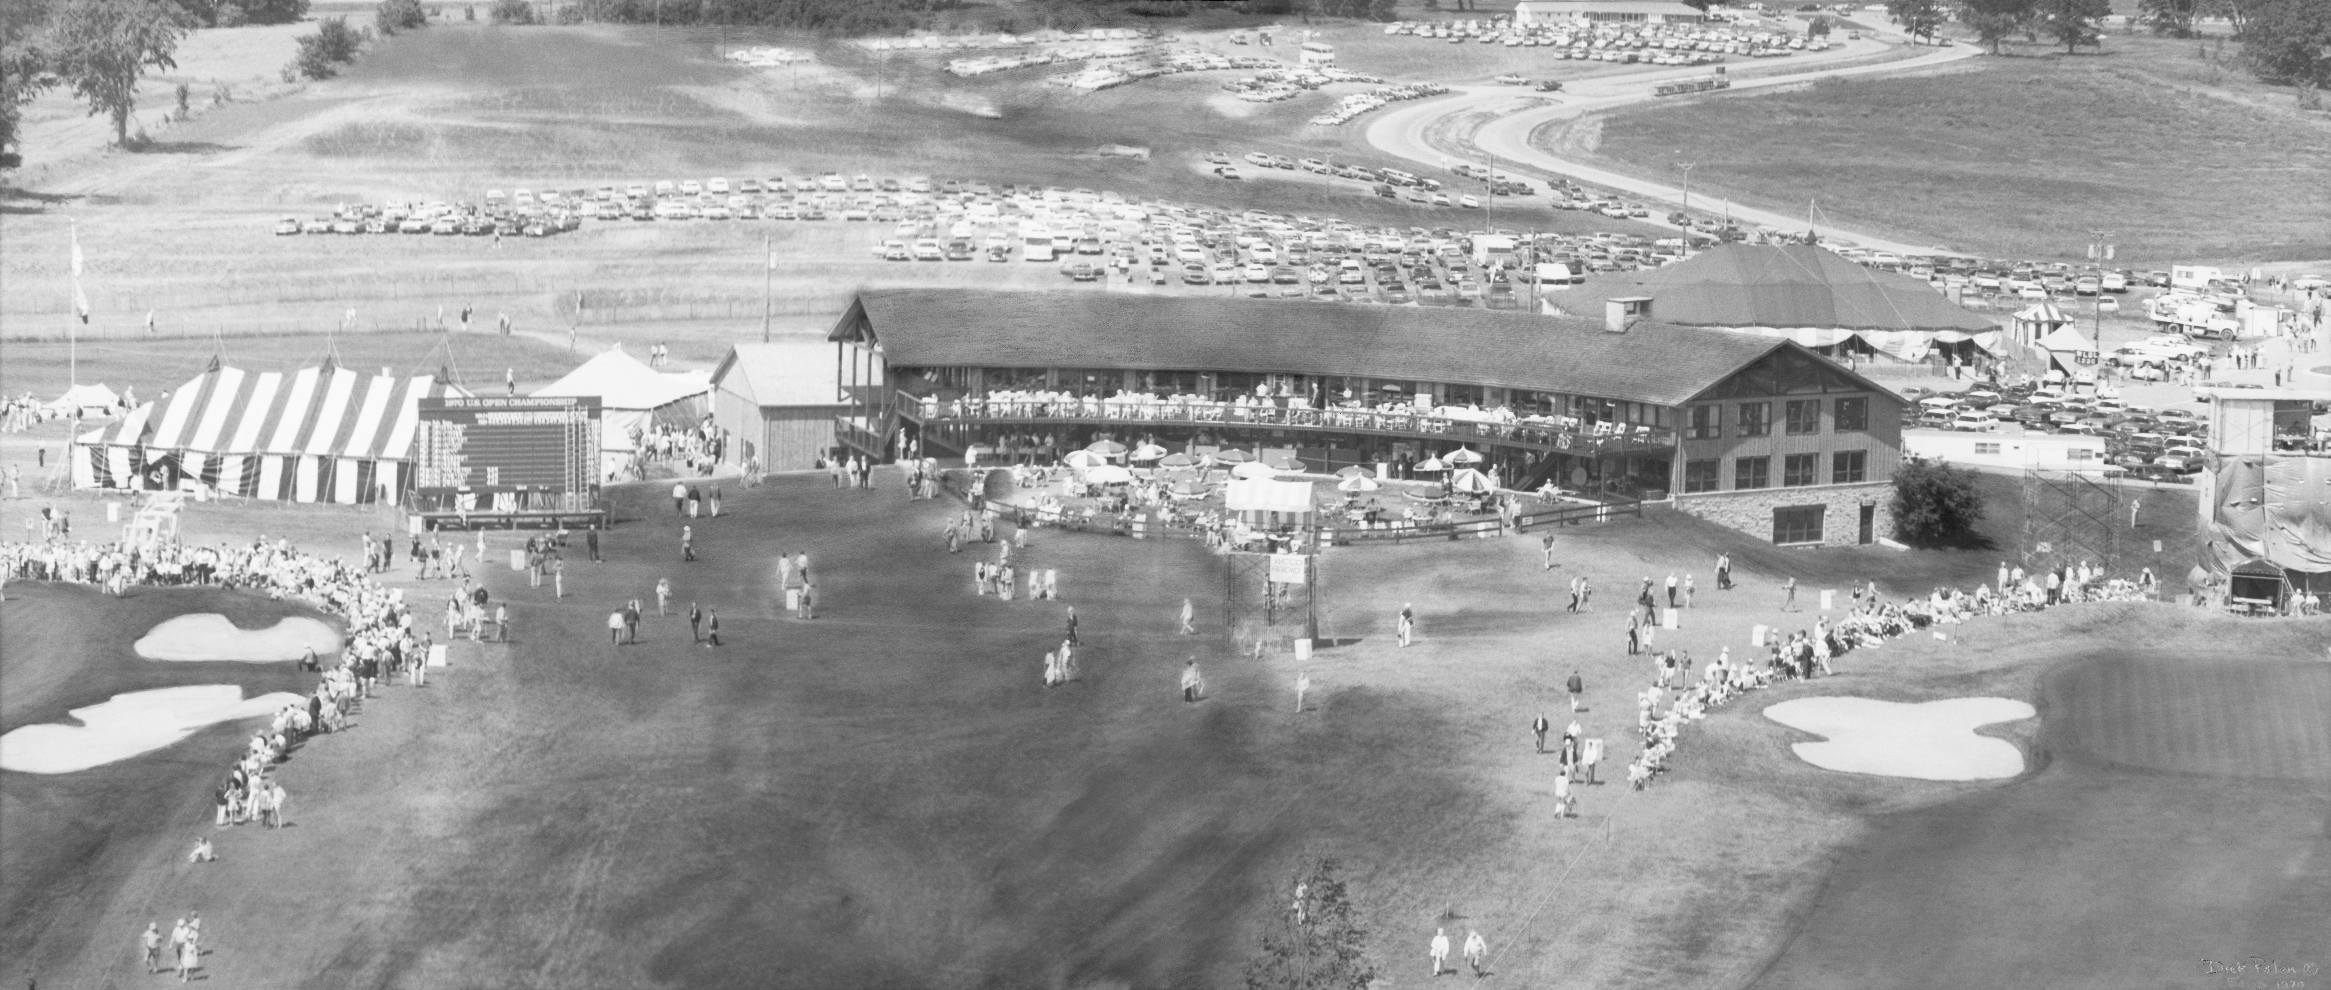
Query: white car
point(717, 185)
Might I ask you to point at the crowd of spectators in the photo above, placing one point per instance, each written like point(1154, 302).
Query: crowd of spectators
point(378, 638)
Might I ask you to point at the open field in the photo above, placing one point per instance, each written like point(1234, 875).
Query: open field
point(449, 111)
point(887, 796)
point(153, 366)
point(2176, 158)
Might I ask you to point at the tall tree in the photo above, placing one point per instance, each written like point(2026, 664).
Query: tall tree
point(2289, 42)
point(105, 46)
point(1995, 20)
point(1315, 943)
point(1917, 17)
point(27, 69)
point(2073, 23)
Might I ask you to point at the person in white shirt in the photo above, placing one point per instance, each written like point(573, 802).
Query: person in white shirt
point(1193, 686)
point(1440, 950)
point(1475, 949)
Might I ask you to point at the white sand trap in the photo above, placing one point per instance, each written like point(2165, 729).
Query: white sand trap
point(211, 636)
point(1933, 740)
point(130, 724)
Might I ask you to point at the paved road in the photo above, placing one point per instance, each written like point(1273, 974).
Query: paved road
point(1406, 132)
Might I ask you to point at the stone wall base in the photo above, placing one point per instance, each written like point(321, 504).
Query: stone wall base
point(1751, 511)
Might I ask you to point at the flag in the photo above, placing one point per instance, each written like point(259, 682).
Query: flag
point(80, 299)
point(768, 248)
point(149, 321)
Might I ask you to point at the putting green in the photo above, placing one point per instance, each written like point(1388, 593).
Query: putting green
point(1933, 740)
point(2250, 720)
point(211, 636)
point(128, 725)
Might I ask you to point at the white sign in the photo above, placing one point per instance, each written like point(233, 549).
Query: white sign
point(1287, 568)
point(1671, 619)
point(1828, 599)
point(1756, 636)
point(437, 653)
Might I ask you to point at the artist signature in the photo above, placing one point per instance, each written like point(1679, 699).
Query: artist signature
point(2259, 973)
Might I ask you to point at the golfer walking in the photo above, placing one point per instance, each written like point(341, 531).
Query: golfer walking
point(151, 941)
point(1475, 948)
point(1440, 950)
point(1577, 686)
point(1406, 624)
point(1302, 685)
point(1192, 684)
point(1189, 617)
point(1539, 728)
point(1789, 594)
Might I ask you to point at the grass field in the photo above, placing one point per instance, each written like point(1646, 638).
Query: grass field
point(153, 366)
point(886, 796)
point(2176, 158)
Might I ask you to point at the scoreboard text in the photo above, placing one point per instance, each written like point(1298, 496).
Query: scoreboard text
point(491, 444)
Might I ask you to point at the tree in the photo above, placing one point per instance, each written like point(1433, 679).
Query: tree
point(2289, 42)
point(1917, 17)
point(1818, 27)
point(1994, 20)
point(273, 11)
point(2170, 17)
point(1314, 943)
point(103, 47)
point(27, 69)
point(511, 12)
point(394, 15)
point(2073, 22)
point(1935, 505)
point(321, 53)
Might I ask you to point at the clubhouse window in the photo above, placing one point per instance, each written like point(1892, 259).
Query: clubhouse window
point(1752, 472)
point(1799, 470)
point(1707, 422)
point(1798, 523)
point(1849, 466)
point(1804, 416)
point(1851, 414)
point(1703, 476)
point(1756, 419)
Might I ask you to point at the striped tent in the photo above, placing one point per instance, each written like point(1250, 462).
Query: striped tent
point(323, 434)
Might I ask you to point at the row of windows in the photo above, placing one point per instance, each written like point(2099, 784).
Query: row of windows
point(1797, 470)
point(1799, 417)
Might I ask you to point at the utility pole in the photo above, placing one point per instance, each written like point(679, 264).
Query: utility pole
point(1687, 205)
point(768, 274)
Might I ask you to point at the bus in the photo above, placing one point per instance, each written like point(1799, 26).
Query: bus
point(1035, 244)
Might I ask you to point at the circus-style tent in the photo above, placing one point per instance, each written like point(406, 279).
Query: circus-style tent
point(321, 434)
point(1803, 292)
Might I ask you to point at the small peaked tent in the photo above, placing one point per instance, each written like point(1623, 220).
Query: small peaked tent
point(322, 434)
point(633, 398)
point(2068, 349)
point(88, 400)
point(2038, 320)
point(1804, 292)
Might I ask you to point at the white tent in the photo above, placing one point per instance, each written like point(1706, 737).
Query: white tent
point(633, 397)
point(2068, 348)
point(91, 400)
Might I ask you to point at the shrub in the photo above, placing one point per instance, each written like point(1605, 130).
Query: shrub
point(1936, 505)
point(511, 12)
point(272, 11)
point(394, 15)
point(569, 14)
point(1318, 944)
point(321, 53)
point(231, 15)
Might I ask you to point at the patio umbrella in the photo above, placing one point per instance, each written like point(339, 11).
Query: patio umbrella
point(980, 449)
point(1469, 480)
point(1179, 460)
point(1353, 471)
point(1284, 462)
point(1148, 452)
point(1461, 456)
point(1389, 387)
point(1106, 448)
point(1252, 470)
point(1109, 474)
point(1081, 459)
point(1430, 464)
point(1357, 483)
point(1232, 456)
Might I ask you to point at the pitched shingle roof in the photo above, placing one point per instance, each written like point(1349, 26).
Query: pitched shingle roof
point(1794, 285)
point(1651, 362)
point(795, 369)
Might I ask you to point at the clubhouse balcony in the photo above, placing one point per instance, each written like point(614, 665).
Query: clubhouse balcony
point(1439, 426)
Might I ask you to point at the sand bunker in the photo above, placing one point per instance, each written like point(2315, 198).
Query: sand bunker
point(1934, 740)
point(129, 725)
point(211, 636)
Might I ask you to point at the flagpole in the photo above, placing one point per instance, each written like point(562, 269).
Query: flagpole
point(768, 275)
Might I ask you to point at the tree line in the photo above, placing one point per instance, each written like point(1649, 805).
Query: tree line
point(2285, 42)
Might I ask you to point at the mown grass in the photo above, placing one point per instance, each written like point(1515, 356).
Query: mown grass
point(2020, 156)
point(152, 366)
